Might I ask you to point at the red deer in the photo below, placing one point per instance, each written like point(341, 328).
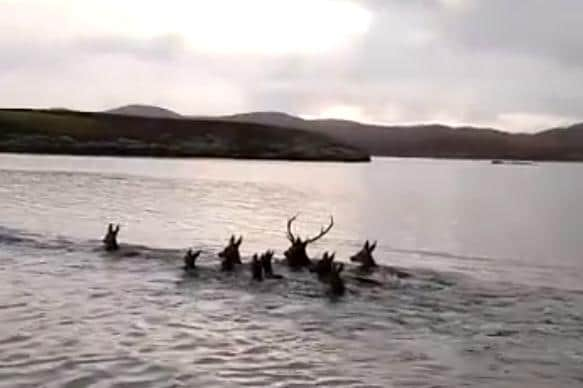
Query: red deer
point(230, 254)
point(296, 255)
point(110, 239)
point(364, 257)
point(256, 268)
point(337, 287)
point(323, 268)
point(190, 259)
point(266, 263)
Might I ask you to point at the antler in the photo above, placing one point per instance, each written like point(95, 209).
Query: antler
point(322, 233)
point(290, 235)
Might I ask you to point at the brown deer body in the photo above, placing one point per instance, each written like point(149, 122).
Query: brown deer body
point(364, 257)
point(296, 255)
point(230, 255)
point(110, 240)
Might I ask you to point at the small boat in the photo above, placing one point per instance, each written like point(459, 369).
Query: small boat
point(514, 162)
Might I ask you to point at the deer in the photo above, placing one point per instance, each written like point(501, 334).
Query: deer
point(364, 257)
point(230, 255)
point(336, 283)
point(266, 263)
point(190, 259)
point(296, 255)
point(323, 268)
point(110, 239)
point(256, 268)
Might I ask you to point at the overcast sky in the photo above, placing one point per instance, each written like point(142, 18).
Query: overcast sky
point(512, 64)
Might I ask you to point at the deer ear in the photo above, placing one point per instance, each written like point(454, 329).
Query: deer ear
point(372, 247)
point(117, 229)
point(239, 241)
point(110, 228)
point(332, 256)
point(366, 244)
point(232, 239)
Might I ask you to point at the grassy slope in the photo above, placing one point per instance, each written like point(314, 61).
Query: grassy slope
point(70, 132)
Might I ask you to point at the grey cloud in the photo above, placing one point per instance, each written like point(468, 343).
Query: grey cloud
point(164, 47)
point(547, 29)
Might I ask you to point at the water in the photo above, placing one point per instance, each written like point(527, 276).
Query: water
point(496, 298)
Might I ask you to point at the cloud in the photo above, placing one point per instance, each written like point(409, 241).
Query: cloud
point(516, 64)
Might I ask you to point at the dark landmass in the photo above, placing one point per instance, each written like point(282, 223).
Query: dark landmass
point(143, 130)
point(126, 132)
point(436, 141)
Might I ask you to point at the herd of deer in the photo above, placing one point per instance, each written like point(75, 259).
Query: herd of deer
point(261, 267)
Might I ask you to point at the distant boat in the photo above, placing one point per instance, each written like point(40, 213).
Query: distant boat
point(515, 162)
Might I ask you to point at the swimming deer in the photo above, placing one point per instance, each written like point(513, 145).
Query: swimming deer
point(190, 259)
point(323, 268)
point(364, 257)
point(110, 239)
point(256, 268)
point(266, 263)
point(230, 254)
point(296, 254)
point(337, 287)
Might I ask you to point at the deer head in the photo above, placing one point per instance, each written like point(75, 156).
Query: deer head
point(364, 256)
point(266, 260)
point(256, 268)
point(230, 254)
point(337, 287)
point(190, 259)
point(266, 263)
point(323, 268)
point(296, 254)
point(110, 239)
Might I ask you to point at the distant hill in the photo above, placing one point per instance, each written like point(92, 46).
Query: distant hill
point(434, 140)
point(88, 133)
point(144, 111)
point(424, 140)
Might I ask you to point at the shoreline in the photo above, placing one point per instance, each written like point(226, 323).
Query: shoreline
point(281, 158)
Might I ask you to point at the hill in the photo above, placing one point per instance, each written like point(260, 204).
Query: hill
point(88, 133)
point(435, 140)
point(145, 111)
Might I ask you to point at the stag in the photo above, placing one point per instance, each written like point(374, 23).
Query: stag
point(296, 254)
point(266, 263)
point(364, 257)
point(110, 239)
point(337, 287)
point(230, 254)
point(256, 268)
point(323, 268)
point(190, 260)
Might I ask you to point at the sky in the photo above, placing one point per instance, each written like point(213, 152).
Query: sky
point(516, 65)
